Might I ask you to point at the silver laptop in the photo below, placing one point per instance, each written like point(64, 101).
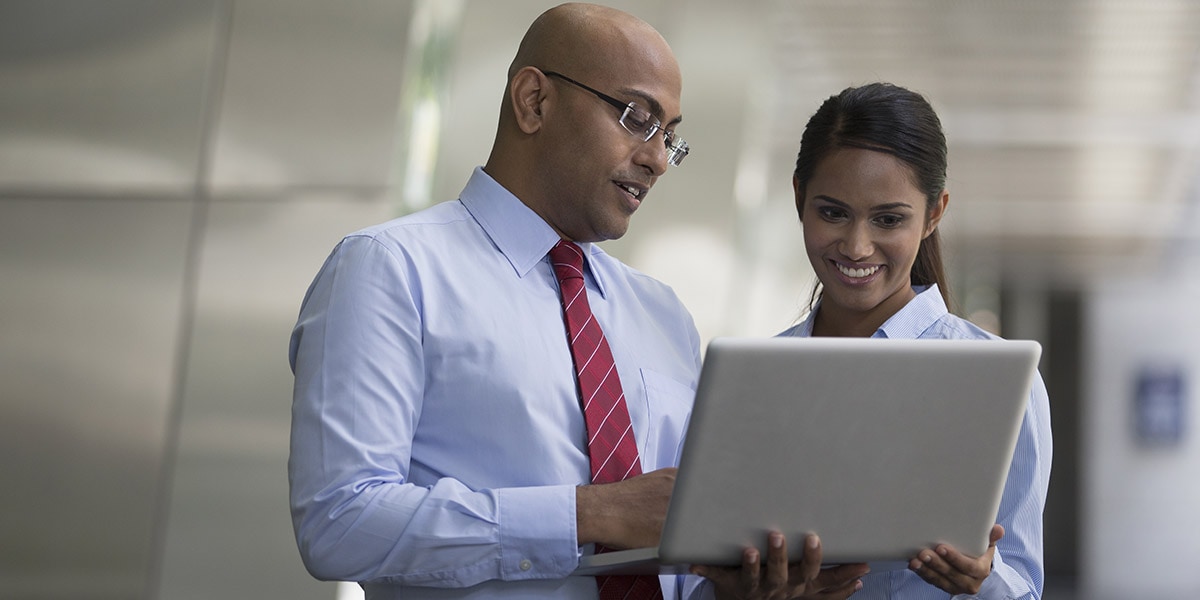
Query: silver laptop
point(881, 447)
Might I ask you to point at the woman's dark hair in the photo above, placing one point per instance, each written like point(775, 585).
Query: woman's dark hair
point(884, 118)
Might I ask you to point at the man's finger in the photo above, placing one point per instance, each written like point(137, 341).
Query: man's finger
point(777, 561)
point(750, 570)
point(810, 564)
point(844, 590)
point(841, 575)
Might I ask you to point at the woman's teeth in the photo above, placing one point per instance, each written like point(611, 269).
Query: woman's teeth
point(857, 273)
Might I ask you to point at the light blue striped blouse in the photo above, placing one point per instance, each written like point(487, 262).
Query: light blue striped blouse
point(1017, 571)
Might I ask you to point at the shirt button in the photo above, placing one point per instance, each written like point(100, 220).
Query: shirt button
point(526, 565)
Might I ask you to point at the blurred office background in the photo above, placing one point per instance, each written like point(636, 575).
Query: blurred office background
point(172, 174)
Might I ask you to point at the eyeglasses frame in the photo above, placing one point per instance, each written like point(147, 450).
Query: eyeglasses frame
point(677, 147)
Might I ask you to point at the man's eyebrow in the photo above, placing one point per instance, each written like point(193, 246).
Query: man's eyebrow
point(655, 106)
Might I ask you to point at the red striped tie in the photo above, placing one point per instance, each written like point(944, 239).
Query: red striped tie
point(611, 445)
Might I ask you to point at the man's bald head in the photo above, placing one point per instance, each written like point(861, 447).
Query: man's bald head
point(593, 43)
point(561, 150)
point(587, 39)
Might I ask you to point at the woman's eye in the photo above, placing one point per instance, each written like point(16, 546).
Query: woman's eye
point(889, 221)
point(830, 213)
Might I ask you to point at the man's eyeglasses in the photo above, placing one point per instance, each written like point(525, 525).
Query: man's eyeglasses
point(638, 122)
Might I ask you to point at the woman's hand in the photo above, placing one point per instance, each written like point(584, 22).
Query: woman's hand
point(780, 580)
point(954, 572)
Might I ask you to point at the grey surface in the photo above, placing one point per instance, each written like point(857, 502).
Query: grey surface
point(228, 521)
point(90, 312)
point(103, 96)
point(839, 436)
point(311, 94)
point(145, 311)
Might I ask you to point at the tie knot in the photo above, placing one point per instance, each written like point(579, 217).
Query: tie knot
point(567, 260)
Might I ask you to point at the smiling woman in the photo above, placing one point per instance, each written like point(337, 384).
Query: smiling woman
point(870, 191)
point(864, 223)
point(905, 138)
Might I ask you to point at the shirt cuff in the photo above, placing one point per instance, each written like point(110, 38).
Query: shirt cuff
point(538, 539)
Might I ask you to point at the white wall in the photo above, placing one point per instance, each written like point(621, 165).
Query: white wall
point(1140, 527)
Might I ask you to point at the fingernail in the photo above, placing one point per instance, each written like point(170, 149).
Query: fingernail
point(776, 540)
point(858, 585)
point(926, 557)
point(813, 541)
point(941, 550)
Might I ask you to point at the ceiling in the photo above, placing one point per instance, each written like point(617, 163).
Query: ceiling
point(1074, 126)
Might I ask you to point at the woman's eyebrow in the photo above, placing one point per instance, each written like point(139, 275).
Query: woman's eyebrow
point(831, 200)
point(891, 206)
point(877, 207)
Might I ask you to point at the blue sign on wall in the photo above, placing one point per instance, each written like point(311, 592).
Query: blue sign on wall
point(1160, 406)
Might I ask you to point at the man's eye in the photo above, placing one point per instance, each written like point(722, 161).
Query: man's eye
point(638, 119)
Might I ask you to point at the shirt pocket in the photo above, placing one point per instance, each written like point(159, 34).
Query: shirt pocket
point(669, 406)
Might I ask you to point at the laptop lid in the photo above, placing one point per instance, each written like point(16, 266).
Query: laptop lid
point(882, 447)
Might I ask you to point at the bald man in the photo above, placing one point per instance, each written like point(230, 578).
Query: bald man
point(439, 448)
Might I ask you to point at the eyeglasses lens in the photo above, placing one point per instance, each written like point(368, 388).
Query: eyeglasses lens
point(644, 125)
point(677, 150)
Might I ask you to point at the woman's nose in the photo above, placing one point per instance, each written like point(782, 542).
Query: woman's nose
point(857, 244)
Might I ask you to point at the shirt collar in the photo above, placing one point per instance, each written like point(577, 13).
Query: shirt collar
point(521, 235)
point(908, 323)
point(915, 317)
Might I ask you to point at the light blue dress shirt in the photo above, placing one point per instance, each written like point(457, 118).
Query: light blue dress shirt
point(437, 436)
point(1017, 572)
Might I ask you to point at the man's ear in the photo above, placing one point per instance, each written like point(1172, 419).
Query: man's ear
point(527, 92)
point(935, 215)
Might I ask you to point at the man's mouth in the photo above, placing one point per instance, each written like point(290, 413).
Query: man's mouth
point(633, 190)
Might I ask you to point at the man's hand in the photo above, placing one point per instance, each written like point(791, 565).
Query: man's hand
point(781, 580)
point(625, 514)
point(954, 572)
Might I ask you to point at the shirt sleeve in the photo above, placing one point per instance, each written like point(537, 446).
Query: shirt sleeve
point(359, 387)
point(1017, 570)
